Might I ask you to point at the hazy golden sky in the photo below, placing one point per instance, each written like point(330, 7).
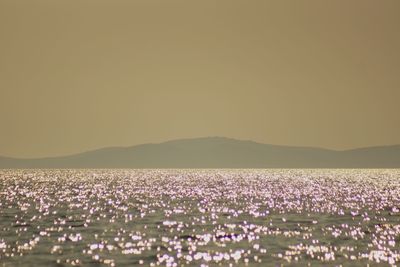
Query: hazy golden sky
point(78, 75)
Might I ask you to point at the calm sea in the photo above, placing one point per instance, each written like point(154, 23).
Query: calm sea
point(199, 217)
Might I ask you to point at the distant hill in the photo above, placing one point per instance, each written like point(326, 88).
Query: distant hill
point(217, 152)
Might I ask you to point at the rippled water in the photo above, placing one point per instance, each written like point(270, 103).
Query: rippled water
point(194, 217)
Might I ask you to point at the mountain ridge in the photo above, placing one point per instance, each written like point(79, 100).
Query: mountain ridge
point(216, 152)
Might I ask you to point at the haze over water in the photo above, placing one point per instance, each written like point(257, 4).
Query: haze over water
point(194, 217)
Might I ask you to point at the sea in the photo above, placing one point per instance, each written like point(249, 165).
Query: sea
point(216, 217)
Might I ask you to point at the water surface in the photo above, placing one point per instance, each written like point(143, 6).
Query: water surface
point(194, 217)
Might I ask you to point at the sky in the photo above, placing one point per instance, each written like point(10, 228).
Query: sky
point(81, 75)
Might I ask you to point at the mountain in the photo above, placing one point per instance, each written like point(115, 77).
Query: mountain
point(217, 152)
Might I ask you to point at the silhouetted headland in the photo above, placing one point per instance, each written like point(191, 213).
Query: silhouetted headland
point(217, 152)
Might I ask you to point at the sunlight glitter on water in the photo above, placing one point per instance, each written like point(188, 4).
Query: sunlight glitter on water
point(194, 217)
